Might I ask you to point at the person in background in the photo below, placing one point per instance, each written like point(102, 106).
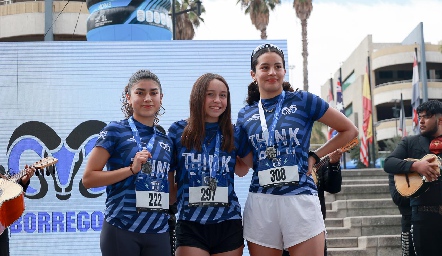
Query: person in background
point(403, 204)
point(137, 158)
point(426, 208)
point(24, 182)
point(205, 147)
point(282, 210)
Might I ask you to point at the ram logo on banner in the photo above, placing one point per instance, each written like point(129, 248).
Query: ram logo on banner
point(55, 105)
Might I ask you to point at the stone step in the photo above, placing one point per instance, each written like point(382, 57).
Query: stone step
point(368, 173)
point(365, 181)
point(366, 226)
point(362, 207)
point(342, 242)
point(382, 245)
point(362, 191)
point(334, 222)
point(362, 219)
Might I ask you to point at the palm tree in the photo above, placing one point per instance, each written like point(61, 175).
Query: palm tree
point(259, 13)
point(186, 23)
point(303, 9)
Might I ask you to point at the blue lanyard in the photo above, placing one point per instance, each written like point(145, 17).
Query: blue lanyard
point(269, 134)
point(134, 129)
point(215, 162)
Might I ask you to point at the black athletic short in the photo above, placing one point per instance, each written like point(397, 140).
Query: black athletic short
point(213, 238)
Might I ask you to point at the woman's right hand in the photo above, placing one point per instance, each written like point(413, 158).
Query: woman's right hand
point(140, 158)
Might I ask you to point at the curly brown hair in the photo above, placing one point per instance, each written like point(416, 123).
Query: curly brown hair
point(142, 74)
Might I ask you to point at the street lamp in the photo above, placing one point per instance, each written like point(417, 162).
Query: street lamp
point(396, 114)
point(174, 14)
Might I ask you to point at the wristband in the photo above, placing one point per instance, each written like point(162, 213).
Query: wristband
point(334, 166)
point(130, 168)
point(315, 156)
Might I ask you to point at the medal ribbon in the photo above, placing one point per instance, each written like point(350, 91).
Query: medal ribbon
point(215, 163)
point(134, 129)
point(269, 134)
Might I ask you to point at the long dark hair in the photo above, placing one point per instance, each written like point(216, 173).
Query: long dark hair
point(253, 90)
point(194, 132)
point(264, 48)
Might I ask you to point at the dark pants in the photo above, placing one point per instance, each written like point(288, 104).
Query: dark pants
point(406, 237)
point(427, 232)
point(4, 243)
point(118, 242)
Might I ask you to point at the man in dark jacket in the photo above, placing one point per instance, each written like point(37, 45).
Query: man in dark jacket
point(426, 217)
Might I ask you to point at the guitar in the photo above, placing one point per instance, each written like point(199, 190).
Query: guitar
point(12, 203)
point(324, 160)
point(413, 184)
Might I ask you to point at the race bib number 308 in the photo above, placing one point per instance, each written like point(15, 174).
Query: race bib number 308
point(279, 176)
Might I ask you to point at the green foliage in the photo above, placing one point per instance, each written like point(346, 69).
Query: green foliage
point(356, 158)
point(390, 144)
point(186, 23)
point(259, 12)
point(318, 136)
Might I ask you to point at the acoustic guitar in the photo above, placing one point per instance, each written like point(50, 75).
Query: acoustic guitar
point(413, 184)
point(324, 160)
point(12, 203)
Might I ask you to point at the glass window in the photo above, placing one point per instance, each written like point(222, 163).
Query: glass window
point(348, 81)
point(348, 110)
point(385, 74)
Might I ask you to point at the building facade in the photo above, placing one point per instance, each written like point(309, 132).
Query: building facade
point(22, 20)
point(390, 69)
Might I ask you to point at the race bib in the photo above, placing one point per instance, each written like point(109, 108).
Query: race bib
point(204, 196)
point(151, 194)
point(279, 176)
point(152, 201)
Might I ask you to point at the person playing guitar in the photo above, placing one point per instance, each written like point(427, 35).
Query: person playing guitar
point(24, 182)
point(426, 216)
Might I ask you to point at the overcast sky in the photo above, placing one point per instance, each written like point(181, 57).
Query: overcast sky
point(335, 29)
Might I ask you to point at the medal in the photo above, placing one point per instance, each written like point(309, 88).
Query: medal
point(212, 184)
point(146, 167)
point(270, 152)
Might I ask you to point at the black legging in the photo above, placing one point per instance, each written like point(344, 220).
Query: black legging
point(4, 243)
point(118, 242)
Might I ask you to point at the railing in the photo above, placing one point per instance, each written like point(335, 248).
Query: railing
point(391, 119)
point(406, 81)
